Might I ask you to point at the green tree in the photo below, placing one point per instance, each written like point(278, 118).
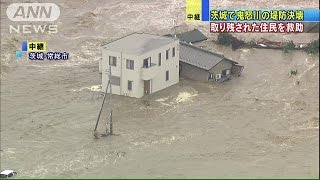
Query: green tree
point(289, 46)
point(225, 39)
point(313, 47)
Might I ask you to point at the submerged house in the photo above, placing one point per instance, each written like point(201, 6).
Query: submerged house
point(140, 64)
point(203, 65)
point(193, 36)
point(200, 64)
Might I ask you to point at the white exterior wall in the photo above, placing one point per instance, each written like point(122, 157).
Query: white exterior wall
point(121, 71)
point(131, 75)
point(172, 65)
point(157, 83)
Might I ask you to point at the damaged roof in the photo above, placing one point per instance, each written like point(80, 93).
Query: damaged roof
point(199, 57)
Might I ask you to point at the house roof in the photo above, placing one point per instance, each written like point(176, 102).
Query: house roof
point(138, 43)
point(190, 36)
point(199, 57)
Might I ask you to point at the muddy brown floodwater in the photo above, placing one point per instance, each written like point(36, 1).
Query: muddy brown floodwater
point(258, 125)
point(261, 124)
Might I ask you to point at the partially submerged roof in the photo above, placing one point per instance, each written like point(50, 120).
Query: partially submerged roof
point(190, 36)
point(138, 43)
point(199, 57)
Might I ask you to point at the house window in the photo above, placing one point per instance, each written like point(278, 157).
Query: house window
point(115, 80)
point(167, 75)
point(130, 85)
point(226, 72)
point(130, 64)
point(218, 76)
point(159, 59)
point(147, 62)
point(167, 54)
point(173, 52)
point(112, 61)
point(210, 76)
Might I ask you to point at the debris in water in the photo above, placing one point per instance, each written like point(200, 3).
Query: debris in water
point(121, 154)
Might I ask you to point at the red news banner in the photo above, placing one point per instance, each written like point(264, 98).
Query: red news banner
point(259, 27)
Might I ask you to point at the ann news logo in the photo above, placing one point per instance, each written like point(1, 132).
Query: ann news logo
point(36, 51)
point(33, 12)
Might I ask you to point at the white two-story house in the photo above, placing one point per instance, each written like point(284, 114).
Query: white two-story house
point(141, 64)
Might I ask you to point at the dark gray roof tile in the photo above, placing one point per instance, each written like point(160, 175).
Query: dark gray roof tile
point(199, 57)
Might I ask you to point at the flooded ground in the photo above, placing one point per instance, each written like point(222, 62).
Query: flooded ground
point(258, 125)
point(261, 124)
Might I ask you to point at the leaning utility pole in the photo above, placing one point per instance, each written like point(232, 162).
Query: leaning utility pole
point(95, 133)
point(110, 108)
